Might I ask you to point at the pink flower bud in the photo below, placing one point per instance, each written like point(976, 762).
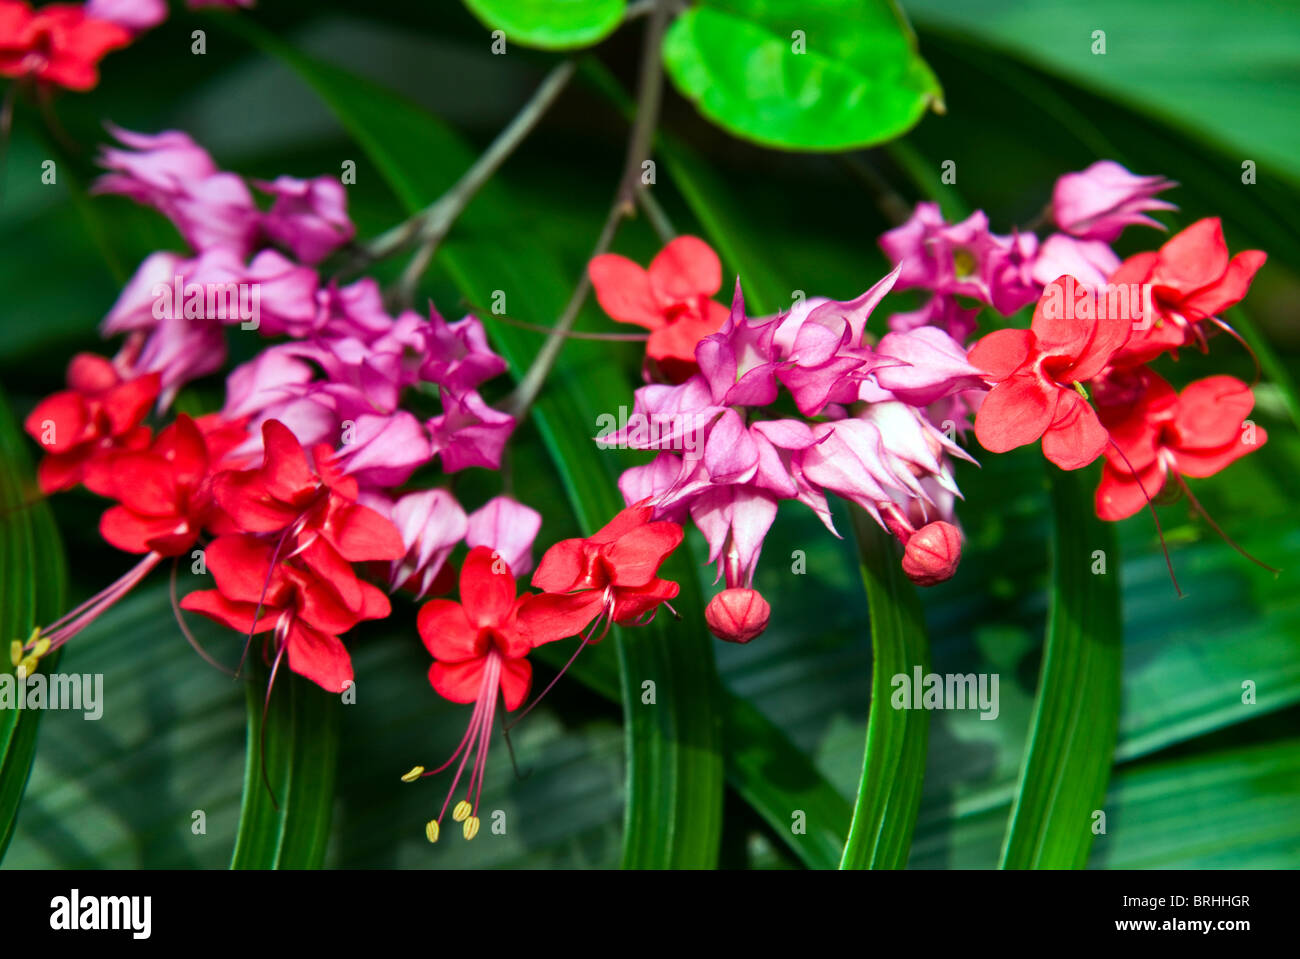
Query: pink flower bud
point(932, 553)
point(737, 615)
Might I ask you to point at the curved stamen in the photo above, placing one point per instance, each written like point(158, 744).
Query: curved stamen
point(1151, 506)
point(1196, 504)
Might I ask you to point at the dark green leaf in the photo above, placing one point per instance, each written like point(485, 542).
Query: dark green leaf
point(1076, 714)
point(32, 578)
point(284, 819)
point(893, 765)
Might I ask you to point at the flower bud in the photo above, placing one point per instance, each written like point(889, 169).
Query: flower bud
point(737, 615)
point(932, 553)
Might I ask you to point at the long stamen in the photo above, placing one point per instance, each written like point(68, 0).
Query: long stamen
point(68, 625)
point(261, 599)
point(282, 634)
point(586, 641)
point(184, 627)
point(1246, 346)
point(1151, 506)
point(1196, 504)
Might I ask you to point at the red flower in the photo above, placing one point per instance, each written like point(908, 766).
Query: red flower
point(285, 496)
point(672, 299)
point(162, 492)
point(1038, 375)
point(307, 601)
point(479, 647)
point(97, 413)
point(612, 572)
point(1192, 280)
point(1158, 432)
point(56, 44)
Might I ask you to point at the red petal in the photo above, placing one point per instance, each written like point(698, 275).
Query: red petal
point(516, 678)
point(92, 373)
point(447, 633)
point(562, 566)
point(238, 616)
point(548, 617)
point(632, 604)
point(130, 532)
point(626, 520)
point(636, 555)
point(459, 682)
point(1015, 413)
point(319, 657)
point(244, 496)
point(1232, 288)
point(1193, 258)
point(360, 534)
point(1210, 412)
point(1202, 463)
point(68, 417)
point(686, 267)
point(1119, 496)
point(128, 404)
point(1001, 353)
point(1076, 437)
point(284, 470)
point(623, 290)
point(487, 588)
point(240, 564)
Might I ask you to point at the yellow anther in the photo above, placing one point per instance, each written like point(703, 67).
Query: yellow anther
point(415, 773)
point(1079, 388)
point(28, 666)
point(42, 647)
point(16, 652)
point(462, 811)
point(471, 827)
point(431, 830)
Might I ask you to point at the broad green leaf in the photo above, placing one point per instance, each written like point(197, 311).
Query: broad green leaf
point(31, 593)
point(893, 764)
point(1183, 66)
point(550, 24)
point(1076, 715)
point(832, 76)
point(284, 819)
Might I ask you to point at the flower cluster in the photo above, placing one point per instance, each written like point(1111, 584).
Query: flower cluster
point(297, 492)
point(869, 429)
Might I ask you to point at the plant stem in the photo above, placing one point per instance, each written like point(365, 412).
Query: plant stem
point(430, 225)
point(649, 94)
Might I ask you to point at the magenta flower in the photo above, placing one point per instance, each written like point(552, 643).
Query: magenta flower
point(431, 523)
point(174, 175)
point(135, 15)
point(1099, 202)
point(1091, 262)
point(942, 312)
point(469, 432)
point(459, 357)
point(308, 217)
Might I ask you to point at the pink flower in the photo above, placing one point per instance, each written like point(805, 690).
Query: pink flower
point(134, 15)
point(458, 355)
point(943, 312)
point(469, 432)
point(383, 449)
point(1099, 202)
point(1088, 261)
point(508, 528)
point(174, 175)
point(431, 523)
point(308, 217)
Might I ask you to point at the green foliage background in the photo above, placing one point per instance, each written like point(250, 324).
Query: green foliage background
point(1200, 778)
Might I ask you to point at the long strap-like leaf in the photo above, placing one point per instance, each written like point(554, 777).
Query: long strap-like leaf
point(1054, 817)
point(893, 764)
point(290, 829)
point(32, 577)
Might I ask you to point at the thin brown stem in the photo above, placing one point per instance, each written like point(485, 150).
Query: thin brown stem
point(649, 94)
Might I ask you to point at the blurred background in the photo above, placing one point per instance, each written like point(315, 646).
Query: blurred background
point(1202, 780)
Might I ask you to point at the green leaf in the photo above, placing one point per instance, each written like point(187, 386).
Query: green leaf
point(836, 75)
point(893, 766)
point(32, 579)
point(1076, 714)
point(284, 819)
point(550, 24)
point(1185, 68)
